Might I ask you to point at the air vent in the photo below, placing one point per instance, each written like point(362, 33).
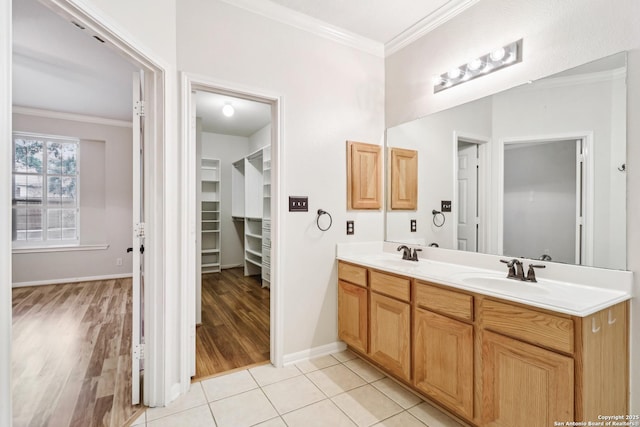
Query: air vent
point(99, 39)
point(78, 25)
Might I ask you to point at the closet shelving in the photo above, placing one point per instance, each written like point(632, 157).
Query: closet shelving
point(266, 217)
point(251, 202)
point(210, 215)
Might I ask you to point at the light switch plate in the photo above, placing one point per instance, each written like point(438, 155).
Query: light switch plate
point(298, 204)
point(414, 225)
point(350, 227)
point(446, 206)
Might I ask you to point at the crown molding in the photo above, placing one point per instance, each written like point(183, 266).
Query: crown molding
point(304, 22)
point(427, 24)
point(59, 115)
point(573, 80)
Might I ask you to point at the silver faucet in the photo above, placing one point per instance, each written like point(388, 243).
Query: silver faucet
point(408, 254)
point(516, 270)
point(531, 274)
point(406, 251)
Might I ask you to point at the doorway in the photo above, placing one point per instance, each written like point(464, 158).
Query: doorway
point(471, 169)
point(233, 208)
point(545, 196)
point(153, 143)
point(232, 202)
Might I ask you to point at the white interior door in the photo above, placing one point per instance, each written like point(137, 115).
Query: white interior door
point(137, 352)
point(467, 197)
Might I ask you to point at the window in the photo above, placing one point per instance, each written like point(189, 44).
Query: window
point(45, 190)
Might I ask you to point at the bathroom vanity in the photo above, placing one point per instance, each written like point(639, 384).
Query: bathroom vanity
point(492, 351)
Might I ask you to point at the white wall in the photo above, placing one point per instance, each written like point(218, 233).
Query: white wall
point(331, 93)
point(432, 136)
point(260, 139)
point(105, 203)
point(557, 36)
point(228, 149)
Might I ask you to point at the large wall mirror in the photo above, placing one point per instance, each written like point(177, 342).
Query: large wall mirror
point(537, 171)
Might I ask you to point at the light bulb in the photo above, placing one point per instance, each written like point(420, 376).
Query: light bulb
point(454, 73)
point(498, 54)
point(474, 65)
point(437, 80)
point(228, 110)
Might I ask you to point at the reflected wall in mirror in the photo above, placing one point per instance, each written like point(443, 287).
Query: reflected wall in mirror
point(535, 171)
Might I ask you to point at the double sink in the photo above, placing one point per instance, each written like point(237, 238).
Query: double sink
point(565, 297)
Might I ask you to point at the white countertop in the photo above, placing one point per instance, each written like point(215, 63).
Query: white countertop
point(560, 296)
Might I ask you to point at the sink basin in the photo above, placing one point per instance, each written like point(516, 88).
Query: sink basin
point(398, 263)
point(502, 284)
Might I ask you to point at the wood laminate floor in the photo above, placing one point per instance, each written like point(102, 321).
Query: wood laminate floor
point(235, 323)
point(71, 354)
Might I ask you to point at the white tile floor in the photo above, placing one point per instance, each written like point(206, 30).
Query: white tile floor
point(336, 390)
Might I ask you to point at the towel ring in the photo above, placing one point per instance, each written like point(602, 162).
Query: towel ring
point(435, 214)
point(320, 213)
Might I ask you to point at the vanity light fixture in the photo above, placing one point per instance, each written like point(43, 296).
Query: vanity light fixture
point(485, 64)
point(228, 110)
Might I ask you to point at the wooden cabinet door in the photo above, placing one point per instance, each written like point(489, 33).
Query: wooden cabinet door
point(404, 179)
point(364, 176)
point(524, 385)
point(352, 315)
point(443, 360)
point(390, 334)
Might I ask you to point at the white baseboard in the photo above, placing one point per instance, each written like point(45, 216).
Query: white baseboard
point(228, 266)
point(71, 280)
point(323, 350)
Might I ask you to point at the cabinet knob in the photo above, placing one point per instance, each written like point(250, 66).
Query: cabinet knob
point(610, 319)
point(595, 329)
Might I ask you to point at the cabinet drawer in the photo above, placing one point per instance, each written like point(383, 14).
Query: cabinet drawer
point(393, 286)
point(444, 301)
point(352, 273)
point(534, 326)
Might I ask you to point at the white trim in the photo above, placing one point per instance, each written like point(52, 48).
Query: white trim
point(427, 24)
point(573, 80)
point(312, 25)
point(587, 136)
point(59, 115)
point(71, 280)
point(228, 266)
point(44, 249)
point(160, 183)
point(314, 352)
point(189, 83)
point(5, 212)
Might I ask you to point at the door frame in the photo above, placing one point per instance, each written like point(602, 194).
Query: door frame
point(484, 178)
point(587, 190)
point(190, 83)
point(158, 220)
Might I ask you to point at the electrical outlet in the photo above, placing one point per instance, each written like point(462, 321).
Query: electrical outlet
point(350, 227)
point(118, 261)
point(414, 225)
point(446, 206)
point(298, 204)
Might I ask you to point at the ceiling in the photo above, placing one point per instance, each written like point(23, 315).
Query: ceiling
point(57, 66)
point(378, 20)
point(249, 116)
point(60, 67)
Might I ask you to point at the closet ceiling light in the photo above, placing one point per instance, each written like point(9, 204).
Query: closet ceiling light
point(485, 64)
point(228, 110)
